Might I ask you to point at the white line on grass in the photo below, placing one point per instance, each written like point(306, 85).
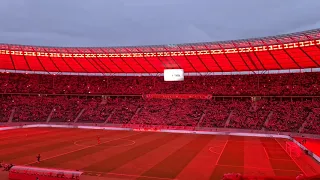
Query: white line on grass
point(291, 158)
point(19, 136)
point(280, 159)
point(128, 175)
point(266, 152)
point(80, 149)
point(77, 143)
point(250, 167)
point(212, 149)
point(224, 147)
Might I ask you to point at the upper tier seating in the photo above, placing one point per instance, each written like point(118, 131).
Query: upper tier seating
point(97, 110)
point(313, 123)
point(306, 84)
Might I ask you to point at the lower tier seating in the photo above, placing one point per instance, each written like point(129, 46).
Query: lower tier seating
point(276, 115)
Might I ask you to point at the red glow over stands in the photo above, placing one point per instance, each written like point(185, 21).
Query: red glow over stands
point(291, 51)
point(255, 102)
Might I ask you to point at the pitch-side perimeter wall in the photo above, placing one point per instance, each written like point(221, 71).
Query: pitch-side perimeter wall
point(317, 158)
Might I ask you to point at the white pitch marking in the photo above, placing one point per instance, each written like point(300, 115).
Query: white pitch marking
point(121, 145)
point(224, 147)
point(12, 137)
point(291, 158)
point(211, 149)
point(80, 149)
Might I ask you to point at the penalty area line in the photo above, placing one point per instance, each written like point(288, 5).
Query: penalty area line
point(266, 153)
point(258, 168)
point(224, 147)
point(291, 157)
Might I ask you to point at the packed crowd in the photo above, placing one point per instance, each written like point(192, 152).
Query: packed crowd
point(169, 113)
point(224, 85)
point(313, 122)
point(31, 109)
point(249, 115)
point(232, 113)
point(5, 166)
point(5, 108)
point(97, 110)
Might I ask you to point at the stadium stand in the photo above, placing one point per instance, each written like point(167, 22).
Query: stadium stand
point(276, 114)
point(293, 84)
point(5, 108)
point(41, 84)
point(230, 89)
point(313, 123)
point(97, 111)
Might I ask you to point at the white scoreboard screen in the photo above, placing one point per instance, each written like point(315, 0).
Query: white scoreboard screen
point(173, 75)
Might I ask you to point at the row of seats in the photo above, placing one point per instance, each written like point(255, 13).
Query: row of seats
point(135, 111)
point(5, 108)
point(224, 85)
point(313, 125)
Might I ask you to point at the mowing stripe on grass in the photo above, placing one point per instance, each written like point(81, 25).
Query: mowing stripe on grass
point(232, 155)
point(143, 163)
point(219, 171)
point(48, 145)
point(293, 160)
point(256, 159)
point(279, 153)
point(206, 158)
point(12, 132)
point(59, 159)
point(119, 160)
point(35, 139)
point(22, 135)
point(171, 166)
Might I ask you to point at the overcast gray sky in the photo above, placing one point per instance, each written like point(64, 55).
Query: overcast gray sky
point(149, 22)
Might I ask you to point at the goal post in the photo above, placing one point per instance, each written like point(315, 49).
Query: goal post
point(293, 150)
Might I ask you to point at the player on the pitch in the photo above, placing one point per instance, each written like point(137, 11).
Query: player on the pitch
point(38, 158)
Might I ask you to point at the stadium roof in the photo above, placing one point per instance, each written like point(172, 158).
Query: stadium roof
point(290, 51)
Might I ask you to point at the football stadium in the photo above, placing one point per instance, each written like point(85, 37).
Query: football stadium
point(243, 109)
